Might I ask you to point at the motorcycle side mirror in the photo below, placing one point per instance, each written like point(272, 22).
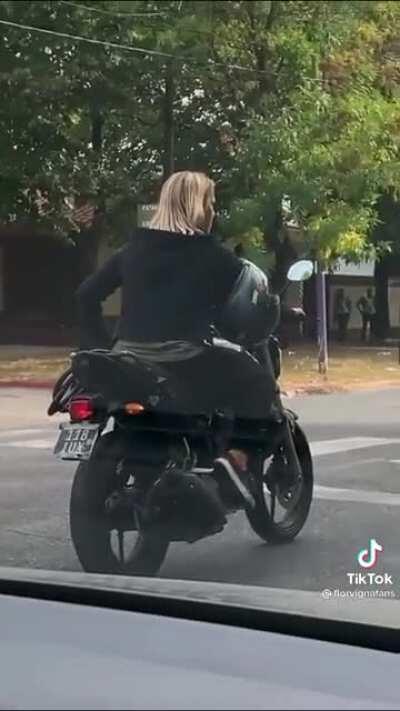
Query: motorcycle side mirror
point(301, 270)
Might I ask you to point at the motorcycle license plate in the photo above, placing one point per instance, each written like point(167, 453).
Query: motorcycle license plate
point(76, 441)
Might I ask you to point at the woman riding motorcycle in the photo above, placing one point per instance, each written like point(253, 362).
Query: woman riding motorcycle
point(177, 281)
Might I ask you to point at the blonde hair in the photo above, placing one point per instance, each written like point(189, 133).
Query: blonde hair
point(185, 204)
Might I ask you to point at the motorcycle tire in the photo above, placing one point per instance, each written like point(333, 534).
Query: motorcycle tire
point(259, 517)
point(90, 528)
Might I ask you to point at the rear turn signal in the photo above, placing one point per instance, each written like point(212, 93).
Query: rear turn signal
point(133, 408)
point(80, 409)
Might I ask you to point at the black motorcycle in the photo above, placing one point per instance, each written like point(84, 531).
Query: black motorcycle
point(151, 472)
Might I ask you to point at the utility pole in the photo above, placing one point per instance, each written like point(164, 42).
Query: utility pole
point(322, 326)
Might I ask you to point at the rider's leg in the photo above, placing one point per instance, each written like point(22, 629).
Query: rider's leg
point(226, 378)
point(248, 389)
point(229, 379)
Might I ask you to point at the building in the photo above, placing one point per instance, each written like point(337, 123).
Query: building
point(38, 275)
point(355, 279)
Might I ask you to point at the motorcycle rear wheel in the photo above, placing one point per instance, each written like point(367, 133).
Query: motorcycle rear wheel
point(90, 526)
point(261, 518)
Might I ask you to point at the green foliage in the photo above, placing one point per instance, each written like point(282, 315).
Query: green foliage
point(330, 143)
point(271, 98)
point(332, 155)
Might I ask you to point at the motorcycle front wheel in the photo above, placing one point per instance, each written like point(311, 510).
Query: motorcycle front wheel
point(282, 506)
point(100, 546)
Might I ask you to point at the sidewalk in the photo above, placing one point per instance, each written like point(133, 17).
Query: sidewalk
point(32, 366)
point(351, 367)
point(16, 353)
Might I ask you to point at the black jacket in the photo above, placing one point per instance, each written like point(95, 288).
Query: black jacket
point(172, 288)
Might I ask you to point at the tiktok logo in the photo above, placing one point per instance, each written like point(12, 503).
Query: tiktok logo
point(368, 557)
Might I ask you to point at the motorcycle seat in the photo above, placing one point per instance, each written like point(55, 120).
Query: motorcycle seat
point(122, 376)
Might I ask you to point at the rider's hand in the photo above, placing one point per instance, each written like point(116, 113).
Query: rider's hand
point(298, 313)
point(293, 314)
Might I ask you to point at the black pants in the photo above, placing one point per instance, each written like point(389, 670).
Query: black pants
point(342, 322)
point(366, 326)
point(222, 378)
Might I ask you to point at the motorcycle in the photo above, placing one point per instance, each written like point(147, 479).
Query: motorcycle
point(147, 473)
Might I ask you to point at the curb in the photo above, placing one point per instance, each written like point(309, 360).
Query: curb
point(290, 392)
point(32, 384)
point(295, 392)
point(334, 389)
point(317, 389)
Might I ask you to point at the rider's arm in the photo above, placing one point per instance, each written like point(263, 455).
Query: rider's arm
point(227, 267)
point(90, 295)
point(291, 314)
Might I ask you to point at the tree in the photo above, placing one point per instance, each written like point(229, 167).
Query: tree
point(78, 139)
point(106, 123)
point(286, 44)
point(272, 98)
point(327, 132)
point(386, 231)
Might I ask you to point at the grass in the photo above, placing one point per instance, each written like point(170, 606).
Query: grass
point(349, 367)
point(42, 367)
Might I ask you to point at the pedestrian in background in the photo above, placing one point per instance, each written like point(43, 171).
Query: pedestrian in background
point(366, 307)
point(342, 312)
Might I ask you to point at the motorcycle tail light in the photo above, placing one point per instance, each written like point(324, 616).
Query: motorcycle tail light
point(133, 408)
point(81, 408)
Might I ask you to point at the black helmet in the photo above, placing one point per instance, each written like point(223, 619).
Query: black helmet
point(250, 314)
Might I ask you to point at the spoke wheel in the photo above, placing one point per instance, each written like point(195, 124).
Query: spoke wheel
point(282, 505)
point(100, 543)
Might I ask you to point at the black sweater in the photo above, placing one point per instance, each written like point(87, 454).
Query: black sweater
point(172, 288)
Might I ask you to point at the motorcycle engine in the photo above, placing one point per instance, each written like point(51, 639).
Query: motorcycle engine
point(185, 507)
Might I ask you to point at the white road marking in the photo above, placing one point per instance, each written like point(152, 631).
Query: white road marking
point(351, 464)
point(4, 434)
point(347, 444)
point(31, 444)
point(359, 496)
point(319, 448)
point(46, 438)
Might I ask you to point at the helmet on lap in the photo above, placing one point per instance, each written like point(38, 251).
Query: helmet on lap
point(251, 313)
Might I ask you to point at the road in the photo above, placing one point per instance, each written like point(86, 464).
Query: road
point(356, 445)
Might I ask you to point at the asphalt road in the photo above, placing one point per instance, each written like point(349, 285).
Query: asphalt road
point(356, 445)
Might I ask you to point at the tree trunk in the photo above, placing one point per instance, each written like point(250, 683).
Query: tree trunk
point(89, 238)
point(285, 255)
point(88, 244)
point(382, 320)
point(169, 123)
